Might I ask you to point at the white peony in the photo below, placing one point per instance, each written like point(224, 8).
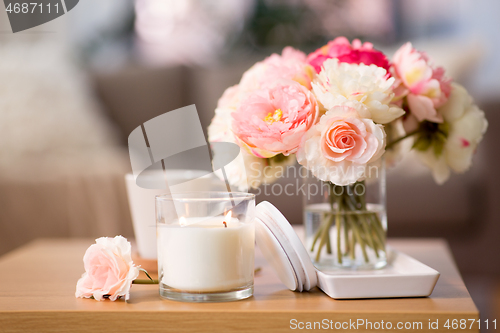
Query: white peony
point(467, 125)
point(340, 82)
point(342, 147)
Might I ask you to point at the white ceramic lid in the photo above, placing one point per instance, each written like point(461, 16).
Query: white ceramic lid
point(283, 249)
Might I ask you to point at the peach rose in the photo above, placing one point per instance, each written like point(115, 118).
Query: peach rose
point(339, 148)
point(109, 270)
point(272, 121)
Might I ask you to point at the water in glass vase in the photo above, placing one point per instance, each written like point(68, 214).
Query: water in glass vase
point(346, 226)
point(346, 239)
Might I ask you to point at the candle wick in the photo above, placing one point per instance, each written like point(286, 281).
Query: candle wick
point(225, 224)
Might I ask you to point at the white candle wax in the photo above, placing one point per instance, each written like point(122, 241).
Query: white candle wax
point(202, 255)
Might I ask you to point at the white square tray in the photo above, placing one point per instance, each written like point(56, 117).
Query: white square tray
point(403, 276)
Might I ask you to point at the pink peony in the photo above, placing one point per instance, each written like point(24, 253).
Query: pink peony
point(291, 64)
point(109, 270)
point(273, 120)
point(340, 146)
point(425, 87)
point(229, 98)
point(341, 49)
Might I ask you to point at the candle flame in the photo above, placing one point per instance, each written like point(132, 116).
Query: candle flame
point(182, 221)
point(227, 218)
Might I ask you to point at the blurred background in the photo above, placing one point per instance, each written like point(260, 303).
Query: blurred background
point(73, 89)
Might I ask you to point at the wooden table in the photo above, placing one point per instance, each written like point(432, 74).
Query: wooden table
point(37, 286)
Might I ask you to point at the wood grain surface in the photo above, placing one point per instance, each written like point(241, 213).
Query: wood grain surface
point(37, 286)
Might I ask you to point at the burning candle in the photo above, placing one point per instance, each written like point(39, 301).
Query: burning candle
point(207, 258)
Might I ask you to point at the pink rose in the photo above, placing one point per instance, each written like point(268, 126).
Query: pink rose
point(341, 145)
point(356, 53)
point(347, 138)
point(109, 270)
point(291, 65)
point(273, 120)
point(425, 87)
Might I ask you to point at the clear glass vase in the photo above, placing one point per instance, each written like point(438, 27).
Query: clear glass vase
point(346, 226)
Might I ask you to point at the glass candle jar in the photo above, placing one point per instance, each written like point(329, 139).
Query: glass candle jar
point(206, 246)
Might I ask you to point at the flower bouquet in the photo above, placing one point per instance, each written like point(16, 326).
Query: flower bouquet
point(343, 112)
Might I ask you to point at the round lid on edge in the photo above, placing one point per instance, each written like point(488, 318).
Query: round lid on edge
point(283, 249)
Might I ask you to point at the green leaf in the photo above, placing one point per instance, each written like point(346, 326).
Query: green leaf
point(439, 142)
point(277, 159)
point(146, 272)
point(422, 143)
point(440, 137)
point(141, 281)
point(444, 128)
point(438, 148)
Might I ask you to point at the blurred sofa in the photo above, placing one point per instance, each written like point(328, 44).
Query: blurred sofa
point(61, 163)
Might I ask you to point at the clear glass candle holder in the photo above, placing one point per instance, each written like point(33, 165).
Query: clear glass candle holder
point(206, 246)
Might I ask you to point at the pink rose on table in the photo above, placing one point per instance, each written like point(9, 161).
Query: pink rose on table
point(272, 121)
point(339, 148)
point(425, 87)
point(356, 53)
point(109, 270)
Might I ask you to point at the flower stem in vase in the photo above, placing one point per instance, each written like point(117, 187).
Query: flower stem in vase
point(359, 238)
point(369, 235)
point(353, 246)
point(346, 238)
point(356, 227)
point(337, 225)
point(375, 224)
point(379, 226)
point(365, 223)
point(328, 244)
point(378, 244)
point(319, 232)
point(324, 233)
